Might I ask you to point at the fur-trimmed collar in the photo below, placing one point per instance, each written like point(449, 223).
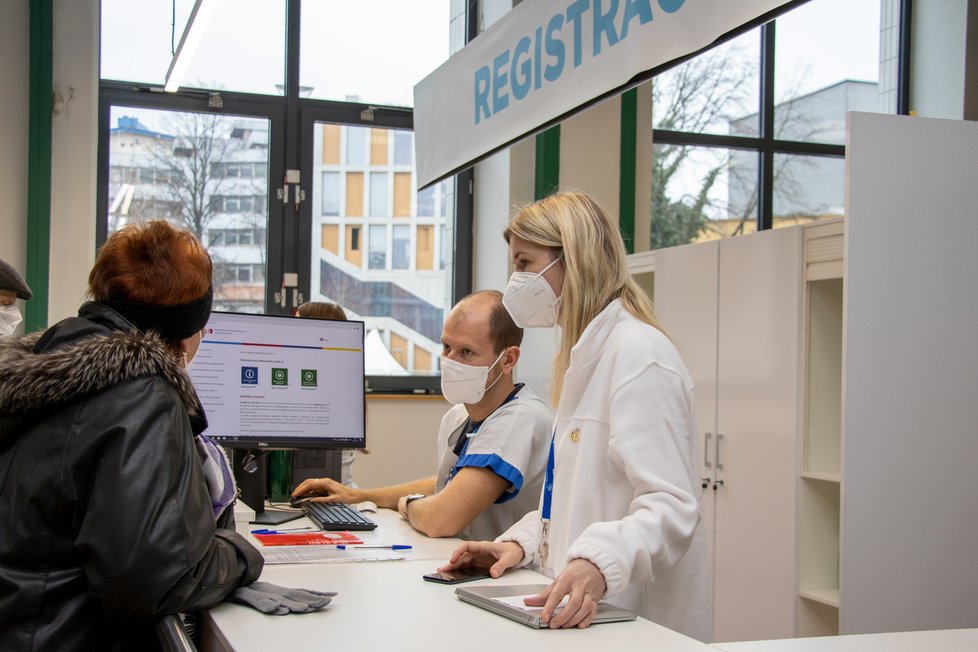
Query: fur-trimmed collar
point(32, 381)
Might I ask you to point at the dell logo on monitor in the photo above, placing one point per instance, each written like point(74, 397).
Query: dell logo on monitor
point(263, 444)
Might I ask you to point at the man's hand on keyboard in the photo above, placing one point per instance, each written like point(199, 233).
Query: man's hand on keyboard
point(327, 490)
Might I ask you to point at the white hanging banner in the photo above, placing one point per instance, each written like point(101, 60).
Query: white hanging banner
point(547, 58)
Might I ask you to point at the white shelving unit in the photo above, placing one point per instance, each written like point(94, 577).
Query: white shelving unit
point(886, 486)
point(819, 494)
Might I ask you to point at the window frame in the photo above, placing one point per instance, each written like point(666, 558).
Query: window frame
point(765, 144)
point(288, 236)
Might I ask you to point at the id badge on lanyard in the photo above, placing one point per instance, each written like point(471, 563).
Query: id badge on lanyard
point(548, 494)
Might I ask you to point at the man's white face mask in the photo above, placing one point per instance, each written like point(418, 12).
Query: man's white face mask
point(463, 383)
point(530, 300)
point(9, 318)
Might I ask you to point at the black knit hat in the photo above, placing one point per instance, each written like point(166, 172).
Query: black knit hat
point(11, 281)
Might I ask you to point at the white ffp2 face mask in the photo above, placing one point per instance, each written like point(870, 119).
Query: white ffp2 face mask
point(530, 300)
point(9, 318)
point(463, 383)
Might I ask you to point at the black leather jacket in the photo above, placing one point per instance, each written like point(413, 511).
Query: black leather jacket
point(106, 523)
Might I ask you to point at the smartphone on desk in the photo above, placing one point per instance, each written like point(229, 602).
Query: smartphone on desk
point(458, 575)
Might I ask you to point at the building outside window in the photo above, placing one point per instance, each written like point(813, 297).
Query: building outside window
point(159, 161)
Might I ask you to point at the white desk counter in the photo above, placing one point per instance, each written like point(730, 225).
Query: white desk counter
point(946, 640)
point(391, 528)
point(385, 605)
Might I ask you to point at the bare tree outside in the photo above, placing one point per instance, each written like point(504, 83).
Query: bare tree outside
point(191, 164)
point(704, 94)
point(717, 92)
point(206, 173)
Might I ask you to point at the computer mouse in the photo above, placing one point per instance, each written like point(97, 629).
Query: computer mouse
point(366, 506)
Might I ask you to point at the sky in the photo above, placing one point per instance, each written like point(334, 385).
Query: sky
point(378, 49)
point(374, 49)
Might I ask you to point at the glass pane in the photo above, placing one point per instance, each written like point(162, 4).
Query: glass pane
point(378, 194)
point(157, 162)
point(356, 145)
point(426, 201)
point(378, 248)
point(403, 147)
point(807, 188)
point(401, 247)
point(403, 303)
point(702, 193)
point(816, 85)
point(355, 51)
point(243, 48)
point(331, 193)
point(715, 93)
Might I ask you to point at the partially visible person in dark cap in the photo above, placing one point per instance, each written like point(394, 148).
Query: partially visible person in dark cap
point(12, 287)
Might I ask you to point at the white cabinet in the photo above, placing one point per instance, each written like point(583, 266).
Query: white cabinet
point(733, 309)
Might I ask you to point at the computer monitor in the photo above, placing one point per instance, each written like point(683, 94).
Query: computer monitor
point(269, 382)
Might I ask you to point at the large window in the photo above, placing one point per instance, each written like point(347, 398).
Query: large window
point(750, 134)
point(290, 162)
point(203, 172)
point(399, 287)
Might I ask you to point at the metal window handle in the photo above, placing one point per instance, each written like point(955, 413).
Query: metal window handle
point(717, 455)
point(706, 450)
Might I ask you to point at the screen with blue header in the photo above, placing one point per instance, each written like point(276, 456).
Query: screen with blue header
point(271, 382)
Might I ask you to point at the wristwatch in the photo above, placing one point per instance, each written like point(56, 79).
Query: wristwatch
point(410, 498)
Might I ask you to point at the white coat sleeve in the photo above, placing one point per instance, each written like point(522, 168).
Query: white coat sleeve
point(650, 442)
point(526, 532)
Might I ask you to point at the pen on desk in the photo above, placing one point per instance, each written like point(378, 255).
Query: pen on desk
point(287, 530)
point(396, 546)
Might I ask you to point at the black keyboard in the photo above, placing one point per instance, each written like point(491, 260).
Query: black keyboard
point(337, 516)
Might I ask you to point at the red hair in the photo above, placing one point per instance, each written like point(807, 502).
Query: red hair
point(153, 263)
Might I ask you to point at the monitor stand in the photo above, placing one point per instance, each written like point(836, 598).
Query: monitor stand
point(249, 473)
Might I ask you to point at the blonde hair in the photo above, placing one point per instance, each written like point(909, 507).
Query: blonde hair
point(574, 226)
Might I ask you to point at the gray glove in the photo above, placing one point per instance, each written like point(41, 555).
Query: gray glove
point(280, 600)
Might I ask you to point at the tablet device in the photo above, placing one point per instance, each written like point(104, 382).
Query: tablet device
point(507, 601)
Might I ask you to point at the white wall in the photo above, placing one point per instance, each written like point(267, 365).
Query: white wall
point(14, 54)
point(74, 139)
point(590, 153)
point(402, 436)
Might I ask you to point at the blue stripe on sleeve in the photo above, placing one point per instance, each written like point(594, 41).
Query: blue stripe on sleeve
point(500, 467)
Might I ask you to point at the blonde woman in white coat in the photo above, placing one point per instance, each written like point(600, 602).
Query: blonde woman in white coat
point(622, 517)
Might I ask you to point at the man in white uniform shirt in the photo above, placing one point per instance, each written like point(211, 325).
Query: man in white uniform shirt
point(492, 444)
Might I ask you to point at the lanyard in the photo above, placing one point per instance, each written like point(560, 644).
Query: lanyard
point(548, 482)
point(548, 494)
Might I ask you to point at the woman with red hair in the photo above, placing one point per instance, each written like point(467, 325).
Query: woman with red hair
point(116, 509)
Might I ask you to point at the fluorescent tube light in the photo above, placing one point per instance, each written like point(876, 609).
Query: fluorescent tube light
point(193, 34)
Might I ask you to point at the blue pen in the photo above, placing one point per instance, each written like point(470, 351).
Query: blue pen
point(285, 531)
point(396, 546)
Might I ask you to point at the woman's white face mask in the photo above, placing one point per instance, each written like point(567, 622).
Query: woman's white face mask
point(530, 300)
point(9, 318)
point(463, 383)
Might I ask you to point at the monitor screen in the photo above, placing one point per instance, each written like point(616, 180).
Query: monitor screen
point(271, 382)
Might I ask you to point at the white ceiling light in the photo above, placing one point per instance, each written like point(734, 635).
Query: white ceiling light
point(193, 34)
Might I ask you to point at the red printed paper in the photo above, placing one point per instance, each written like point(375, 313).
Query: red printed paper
point(308, 539)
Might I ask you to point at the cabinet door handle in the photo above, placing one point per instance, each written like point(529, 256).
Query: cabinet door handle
point(706, 482)
point(717, 455)
point(706, 449)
